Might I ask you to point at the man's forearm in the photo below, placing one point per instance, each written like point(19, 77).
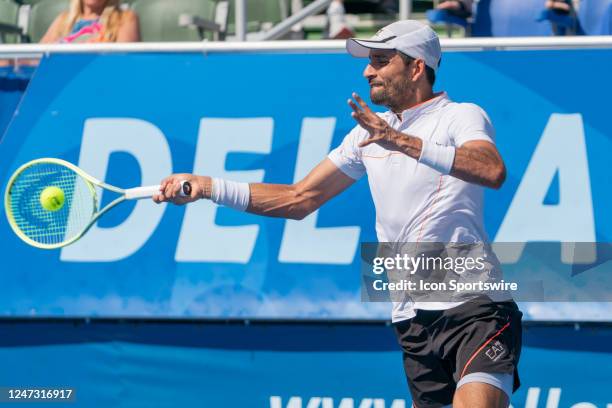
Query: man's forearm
point(272, 200)
point(281, 200)
point(480, 166)
point(473, 165)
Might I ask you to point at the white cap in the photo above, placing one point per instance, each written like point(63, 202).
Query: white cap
point(415, 39)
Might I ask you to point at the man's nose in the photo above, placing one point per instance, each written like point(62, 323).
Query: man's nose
point(369, 72)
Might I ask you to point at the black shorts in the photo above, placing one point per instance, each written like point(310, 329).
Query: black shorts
point(442, 346)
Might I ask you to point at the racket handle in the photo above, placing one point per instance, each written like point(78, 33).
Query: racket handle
point(149, 191)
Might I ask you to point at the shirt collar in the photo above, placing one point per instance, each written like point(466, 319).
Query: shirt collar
point(439, 100)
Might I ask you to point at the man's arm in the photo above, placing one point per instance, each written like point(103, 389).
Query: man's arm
point(479, 162)
point(293, 201)
point(475, 161)
point(296, 201)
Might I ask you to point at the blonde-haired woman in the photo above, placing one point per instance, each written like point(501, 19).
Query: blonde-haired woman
point(93, 21)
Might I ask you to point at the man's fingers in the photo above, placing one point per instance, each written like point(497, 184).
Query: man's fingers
point(358, 119)
point(176, 186)
point(353, 106)
point(162, 196)
point(167, 191)
point(367, 119)
point(159, 198)
point(366, 115)
point(170, 191)
point(165, 183)
point(177, 189)
point(361, 102)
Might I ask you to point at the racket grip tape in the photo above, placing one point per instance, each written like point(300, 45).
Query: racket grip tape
point(149, 191)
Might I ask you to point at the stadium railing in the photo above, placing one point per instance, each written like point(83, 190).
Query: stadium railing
point(451, 44)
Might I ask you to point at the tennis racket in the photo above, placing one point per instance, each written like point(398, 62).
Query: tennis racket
point(51, 203)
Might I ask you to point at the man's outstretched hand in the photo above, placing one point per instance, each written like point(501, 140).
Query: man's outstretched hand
point(380, 131)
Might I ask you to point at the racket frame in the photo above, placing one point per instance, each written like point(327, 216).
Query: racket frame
point(91, 182)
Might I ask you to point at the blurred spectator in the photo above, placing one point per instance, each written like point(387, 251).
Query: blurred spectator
point(562, 16)
point(459, 8)
point(337, 27)
point(94, 21)
point(559, 6)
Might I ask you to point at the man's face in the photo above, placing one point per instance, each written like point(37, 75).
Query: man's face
point(388, 76)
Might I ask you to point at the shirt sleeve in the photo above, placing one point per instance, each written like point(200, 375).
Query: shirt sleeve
point(347, 156)
point(469, 123)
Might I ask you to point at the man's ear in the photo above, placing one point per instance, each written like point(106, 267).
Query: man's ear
point(419, 70)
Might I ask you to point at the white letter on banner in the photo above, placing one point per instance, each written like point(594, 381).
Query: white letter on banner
point(554, 396)
point(201, 240)
point(561, 148)
point(533, 397)
point(302, 240)
point(350, 403)
point(277, 402)
point(147, 144)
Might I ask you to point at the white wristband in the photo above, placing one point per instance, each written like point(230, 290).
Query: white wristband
point(230, 194)
point(438, 157)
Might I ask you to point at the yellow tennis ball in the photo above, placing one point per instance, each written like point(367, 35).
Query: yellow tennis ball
point(52, 198)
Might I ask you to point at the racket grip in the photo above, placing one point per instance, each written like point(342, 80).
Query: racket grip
point(149, 191)
point(141, 192)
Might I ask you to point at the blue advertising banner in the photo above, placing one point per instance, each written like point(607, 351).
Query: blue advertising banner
point(132, 119)
point(170, 364)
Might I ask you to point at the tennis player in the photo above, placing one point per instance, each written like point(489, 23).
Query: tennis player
point(427, 160)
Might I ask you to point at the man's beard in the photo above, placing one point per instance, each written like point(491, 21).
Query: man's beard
point(390, 95)
point(379, 98)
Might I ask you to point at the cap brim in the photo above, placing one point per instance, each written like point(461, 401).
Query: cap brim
point(361, 48)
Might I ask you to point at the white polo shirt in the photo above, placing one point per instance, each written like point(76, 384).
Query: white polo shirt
point(415, 203)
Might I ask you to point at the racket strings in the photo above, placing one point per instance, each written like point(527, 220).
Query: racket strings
point(44, 226)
